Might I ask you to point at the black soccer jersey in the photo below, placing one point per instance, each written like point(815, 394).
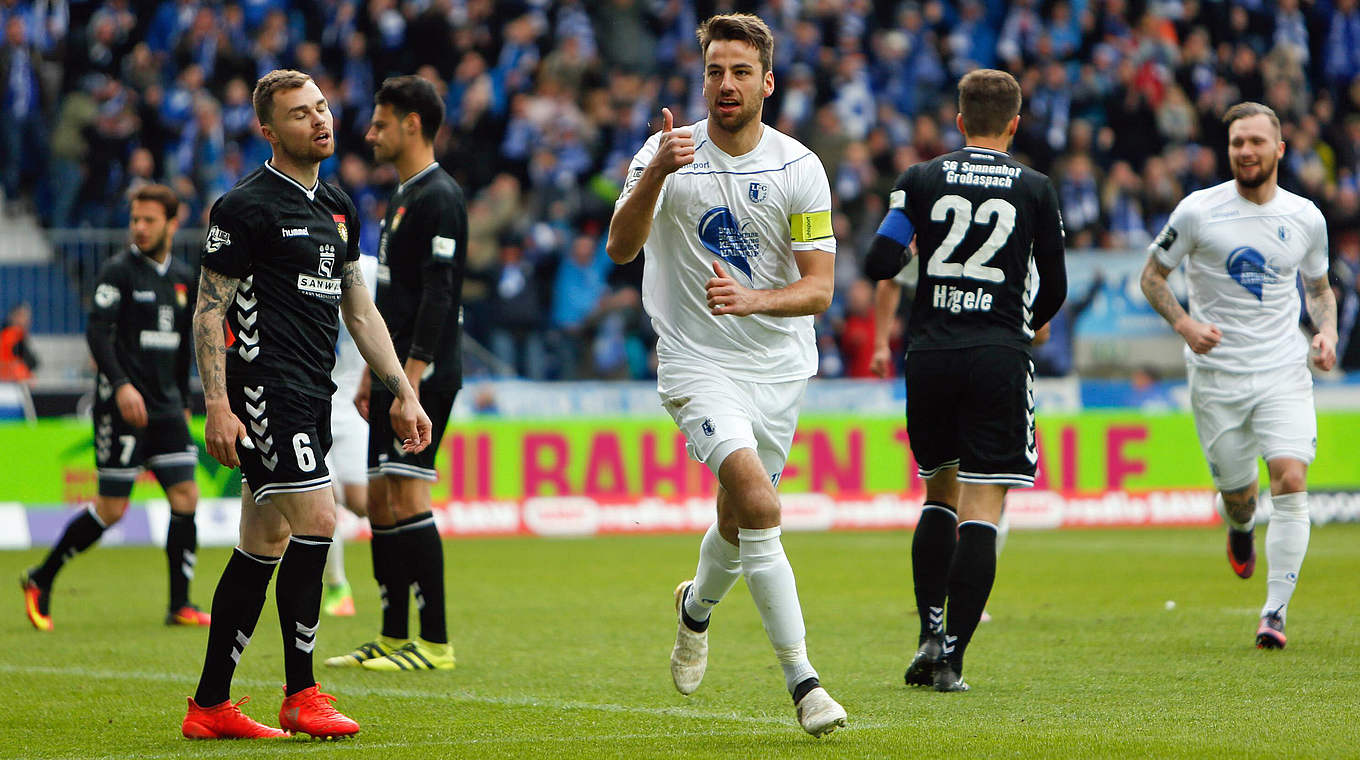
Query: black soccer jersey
point(140, 330)
point(286, 244)
point(989, 243)
point(421, 260)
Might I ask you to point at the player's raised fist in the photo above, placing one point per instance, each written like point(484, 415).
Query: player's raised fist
point(677, 145)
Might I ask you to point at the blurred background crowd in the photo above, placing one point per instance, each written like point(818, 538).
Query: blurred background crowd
point(548, 101)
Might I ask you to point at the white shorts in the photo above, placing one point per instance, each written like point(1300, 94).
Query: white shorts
point(348, 458)
point(1240, 417)
point(719, 415)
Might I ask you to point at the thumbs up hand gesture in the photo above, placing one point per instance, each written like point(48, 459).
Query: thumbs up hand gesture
point(677, 145)
point(727, 297)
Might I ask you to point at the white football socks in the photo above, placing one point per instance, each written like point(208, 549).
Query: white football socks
point(1003, 529)
point(1286, 543)
point(1223, 512)
point(769, 577)
point(718, 571)
point(335, 563)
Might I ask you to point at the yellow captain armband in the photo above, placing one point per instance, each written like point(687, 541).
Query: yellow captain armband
point(813, 225)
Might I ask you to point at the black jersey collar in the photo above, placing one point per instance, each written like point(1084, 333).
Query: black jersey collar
point(311, 194)
point(160, 268)
point(986, 150)
point(417, 176)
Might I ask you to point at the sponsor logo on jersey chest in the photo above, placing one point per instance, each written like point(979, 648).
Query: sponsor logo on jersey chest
point(289, 232)
point(319, 286)
point(732, 240)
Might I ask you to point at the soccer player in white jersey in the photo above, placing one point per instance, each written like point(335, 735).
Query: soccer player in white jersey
point(737, 225)
point(348, 457)
point(1242, 243)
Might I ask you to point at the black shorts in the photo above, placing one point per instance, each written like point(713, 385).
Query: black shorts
point(290, 433)
point(122, 451)
point(973, 409)
point(385, 455)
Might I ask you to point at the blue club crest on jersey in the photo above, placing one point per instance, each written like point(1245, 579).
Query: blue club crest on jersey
point(721, 233)
point(1249, 268)
point(758, 191)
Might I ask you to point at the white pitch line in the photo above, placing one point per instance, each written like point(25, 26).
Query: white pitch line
point(456, 696)
point(233, 749)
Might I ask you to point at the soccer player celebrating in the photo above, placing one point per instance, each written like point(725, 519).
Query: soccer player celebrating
point(986, 226)
point(421, 259)
point(139, 335)
point(1244, 242)
point(737, 224)
point(276, 244)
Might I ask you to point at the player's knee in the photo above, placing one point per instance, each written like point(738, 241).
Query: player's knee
point(1289, 477)
point(183, 497)
point(110, 510)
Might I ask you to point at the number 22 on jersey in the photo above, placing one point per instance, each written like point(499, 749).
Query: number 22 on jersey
point(959, 212)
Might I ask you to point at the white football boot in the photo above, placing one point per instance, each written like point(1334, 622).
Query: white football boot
point(689, 658)
point(819, 713)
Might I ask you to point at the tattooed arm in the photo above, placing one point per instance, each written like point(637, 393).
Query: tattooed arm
point(1199, 336)
point(370, 334)
point(1321, 302)
point(222, 429)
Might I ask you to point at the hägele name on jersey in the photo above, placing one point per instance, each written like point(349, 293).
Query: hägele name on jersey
point(955, 300)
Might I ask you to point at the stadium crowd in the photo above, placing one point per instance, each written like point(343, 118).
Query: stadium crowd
point(548, 101)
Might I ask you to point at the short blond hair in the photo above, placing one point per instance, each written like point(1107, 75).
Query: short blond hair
point(742, 27)
point(274, 81)
point(1249, 108)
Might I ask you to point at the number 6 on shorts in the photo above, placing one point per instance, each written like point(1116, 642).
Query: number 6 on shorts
point(302, 449)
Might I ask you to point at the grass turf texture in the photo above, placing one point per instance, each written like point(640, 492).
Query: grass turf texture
point(562, 648)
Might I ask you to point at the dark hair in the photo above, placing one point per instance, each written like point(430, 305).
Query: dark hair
point(988, 100)
point(158, 194)
point(742, 27)
point(1248, 108)
point(411, 94)
point(278, 79)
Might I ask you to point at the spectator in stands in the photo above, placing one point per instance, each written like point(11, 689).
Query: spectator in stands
point(22, 145)
point(17, 360)
point(516, 312)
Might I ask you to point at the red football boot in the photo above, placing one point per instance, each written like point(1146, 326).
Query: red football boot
point(310, 712)
point(225, 721)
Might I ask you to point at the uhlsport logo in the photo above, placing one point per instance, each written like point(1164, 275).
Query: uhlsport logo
point(731, 240)
point(1249, 268)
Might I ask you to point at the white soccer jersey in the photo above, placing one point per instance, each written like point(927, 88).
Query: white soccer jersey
point(1242, 260)
point(751, 212)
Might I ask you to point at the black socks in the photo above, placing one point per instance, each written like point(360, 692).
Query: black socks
point(80, 534)
point(932, 549)
point(236, 608)
point(181, 552)
point(423, 555)
point(298, 594)
point(970, 583)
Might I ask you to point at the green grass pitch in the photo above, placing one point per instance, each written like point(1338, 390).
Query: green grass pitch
point(562, 651)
